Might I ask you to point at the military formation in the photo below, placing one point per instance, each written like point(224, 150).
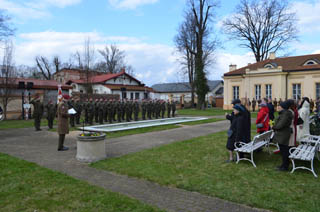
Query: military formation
point(100, 111)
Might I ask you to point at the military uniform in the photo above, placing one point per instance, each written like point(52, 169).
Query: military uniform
point(123, 110)
point(254, 102)
point(96, 111)
point(110, 111)
point(72, 116)
point(136, 110)
point(119, 111)
point(37, 113)
point(169, 109)
point(86, 114)
point(149, 109)
point(144, 110)
point(63, 126)
point(100, 111)
point(105, 110)
point(163, 109)
point(173, 107)
point(51, 113)
point(78, 108)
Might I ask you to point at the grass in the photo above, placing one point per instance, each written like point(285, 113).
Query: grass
point(25, 186)
point(14, 124)
point(198, 165)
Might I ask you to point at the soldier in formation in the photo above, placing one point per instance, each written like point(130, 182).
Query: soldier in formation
point(51, 113)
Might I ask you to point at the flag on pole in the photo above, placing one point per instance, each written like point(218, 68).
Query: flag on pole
point(59, 94)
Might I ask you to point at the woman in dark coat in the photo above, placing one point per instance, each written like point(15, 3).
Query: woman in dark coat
point(282, 133)
point(236, 132)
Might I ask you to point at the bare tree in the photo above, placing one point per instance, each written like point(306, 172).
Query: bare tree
point(46, 68)
point(114, 58)
point(197, 45)
point(7, 76)
point(5, 29)
point(88, 63)
point(263, 26)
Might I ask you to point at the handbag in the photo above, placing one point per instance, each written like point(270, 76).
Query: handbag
point(260, 125)
point(300, 121)
point(229, 133)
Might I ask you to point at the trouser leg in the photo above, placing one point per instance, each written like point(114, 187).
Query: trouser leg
point(61, 141)
point(284, 149)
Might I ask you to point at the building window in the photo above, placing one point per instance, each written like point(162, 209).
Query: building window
point(317, 90)
point(131, 95)
point(137, 95)
point(96, 90)
point(310, 62)
point(146, 95)
point(235, 92)
point(296, 91)
point(258, 91)
point(269, 91)
point(81, 91)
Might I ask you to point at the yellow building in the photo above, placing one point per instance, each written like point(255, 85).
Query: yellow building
point(283, 77)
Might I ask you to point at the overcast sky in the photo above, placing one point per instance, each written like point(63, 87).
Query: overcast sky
point(144, 29)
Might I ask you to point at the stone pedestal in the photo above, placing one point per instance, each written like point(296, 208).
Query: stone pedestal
point(91, 149)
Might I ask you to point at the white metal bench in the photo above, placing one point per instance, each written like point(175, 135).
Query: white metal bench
point(306, 152)
point(258, 141)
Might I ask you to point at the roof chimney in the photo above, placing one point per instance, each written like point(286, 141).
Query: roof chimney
point(232, 67)
point(272, 55)
point(123, 70)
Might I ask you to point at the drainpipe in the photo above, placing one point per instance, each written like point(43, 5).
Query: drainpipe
point(287, 85)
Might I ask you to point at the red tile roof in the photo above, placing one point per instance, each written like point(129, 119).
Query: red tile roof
point(128, 87)
point(289, 64)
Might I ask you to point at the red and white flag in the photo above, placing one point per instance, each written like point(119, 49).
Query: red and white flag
point(59, 94)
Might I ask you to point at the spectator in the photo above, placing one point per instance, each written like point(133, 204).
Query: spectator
point(262, 121)
point(304, 113)
point(282, 132)
point(236, 131)
point(271, 109)
point(294, 122)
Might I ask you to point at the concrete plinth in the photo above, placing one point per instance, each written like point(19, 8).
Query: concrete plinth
point(91, 149)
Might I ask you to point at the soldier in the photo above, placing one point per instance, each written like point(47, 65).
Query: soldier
point(96, 110)
point(110, 111)
point(37, 112)
point(144, 109)
point(149, 109)
point(100, 111)
point(51, 113)
point(136, 110)
point(254, 102)
point(78, 108)
point(168, 108)
point(90, 107)
point(127, 111)
point(115, 109)
point(173, 107)
point(158, 109)
point(275, 104)
point(72, 116)
point(119, 111)
point(63, 126)
point(105, 110)
point(163, 108)
point(153, 109)
point(85, 107)
point(123, 109)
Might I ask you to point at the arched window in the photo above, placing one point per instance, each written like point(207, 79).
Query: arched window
point(310, 62)
point(268, 66)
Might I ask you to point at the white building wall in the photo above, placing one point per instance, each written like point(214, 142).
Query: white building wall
point(122, 80)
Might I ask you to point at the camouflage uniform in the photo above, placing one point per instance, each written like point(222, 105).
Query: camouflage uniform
point(169, 109)
point(144, 109)
point(136, 110)
point(110, 111)
point(100, 112)
point(96, 111)
point(173, 107)
point(163, 108)
point(78, 108)
point(37, 112)
point(119, 111)
point(51, 113)
point(105, 110)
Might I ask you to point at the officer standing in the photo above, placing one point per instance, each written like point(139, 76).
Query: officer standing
point(96, 110)
point(51, 113)
point(110, 111)
point(144, 109)
point(63, 126)
point(105, 110)
point(37, 111)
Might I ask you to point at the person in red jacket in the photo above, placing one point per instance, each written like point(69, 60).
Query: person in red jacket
point(262, 121)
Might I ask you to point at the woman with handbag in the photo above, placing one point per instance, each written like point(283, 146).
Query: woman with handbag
point(303, 120)
point(262, 121)
point(236, 131)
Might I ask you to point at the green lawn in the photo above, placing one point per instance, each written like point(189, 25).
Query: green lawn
point(11, 124)
point(27, 187)
point(199, 165)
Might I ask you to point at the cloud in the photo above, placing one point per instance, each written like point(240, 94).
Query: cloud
point(308, 15)
point(153, 63)
point(130, 4)
point(34, 9)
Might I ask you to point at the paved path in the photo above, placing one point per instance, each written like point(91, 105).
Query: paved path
point(40, 147)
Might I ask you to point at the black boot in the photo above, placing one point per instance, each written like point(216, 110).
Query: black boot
point(61, 141)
